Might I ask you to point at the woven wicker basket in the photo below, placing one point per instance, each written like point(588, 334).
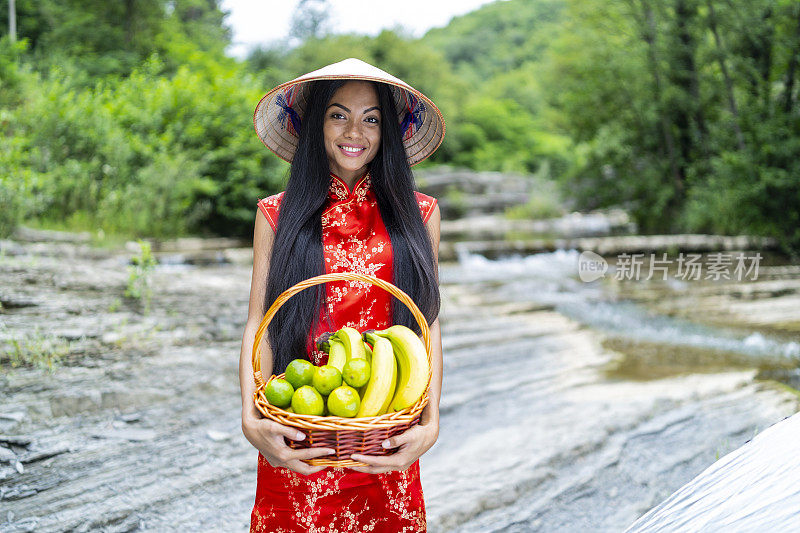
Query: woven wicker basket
point(344, 435)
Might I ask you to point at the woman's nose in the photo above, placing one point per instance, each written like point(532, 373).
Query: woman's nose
point(353, 129)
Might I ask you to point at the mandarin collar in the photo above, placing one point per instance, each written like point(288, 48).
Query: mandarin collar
point(339, 191)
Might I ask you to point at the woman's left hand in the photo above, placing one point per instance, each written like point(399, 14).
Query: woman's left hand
point(412, 443)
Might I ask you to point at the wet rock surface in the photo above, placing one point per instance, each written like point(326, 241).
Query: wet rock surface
point(753, 488)
point(127, 423)
point(137, 426)
point(541, 431)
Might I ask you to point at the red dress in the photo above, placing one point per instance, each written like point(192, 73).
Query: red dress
point(338, 500)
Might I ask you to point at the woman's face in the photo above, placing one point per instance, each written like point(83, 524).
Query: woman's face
point(352, 129)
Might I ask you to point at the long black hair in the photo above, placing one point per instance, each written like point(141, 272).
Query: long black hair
point(297, 252)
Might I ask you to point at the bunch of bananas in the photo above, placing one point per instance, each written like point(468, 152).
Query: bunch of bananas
point(383, 371)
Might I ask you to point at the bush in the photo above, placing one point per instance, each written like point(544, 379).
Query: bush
point(743, 196)
point(146, 155)
point(10, 209)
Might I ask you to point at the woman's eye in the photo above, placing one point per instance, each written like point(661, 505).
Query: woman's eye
point(373, 120)
point(337, 115)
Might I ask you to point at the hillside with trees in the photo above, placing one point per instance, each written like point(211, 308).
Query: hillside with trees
point(128, 116)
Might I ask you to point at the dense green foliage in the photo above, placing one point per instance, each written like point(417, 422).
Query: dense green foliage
point(165, 148)
point(102, 37)
point(128, 116)
point(685, 111)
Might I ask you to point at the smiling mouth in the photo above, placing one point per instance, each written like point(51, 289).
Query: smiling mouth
point(351, 151)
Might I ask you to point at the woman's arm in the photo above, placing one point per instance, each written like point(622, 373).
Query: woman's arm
point(262, 433)
point(434, 229)
point(419, 439)
point(431, 412)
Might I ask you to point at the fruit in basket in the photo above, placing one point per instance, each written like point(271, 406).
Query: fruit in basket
point(337, 354)
point(344, 401)
point(381, 385)
point(308, 401)
point(412, 365)
point(279, 392)
point(300, 372)
point(361, 390)
point(326, 378)
point(368, 349)
point(356, 372)
point(353, 343)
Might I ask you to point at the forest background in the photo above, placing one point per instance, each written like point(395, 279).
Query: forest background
point(127, 119)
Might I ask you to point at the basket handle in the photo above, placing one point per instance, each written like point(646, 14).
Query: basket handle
point(338, 276)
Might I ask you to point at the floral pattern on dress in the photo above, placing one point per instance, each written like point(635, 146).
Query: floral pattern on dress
point(337, 500)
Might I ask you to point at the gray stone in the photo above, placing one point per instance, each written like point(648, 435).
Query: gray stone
point(17, 440)
point(16, 416)
point(753, 488)
point(130, 434)
point(9, 301)
point(131, 417)
point(217, 436)
point(26, 234)
point(74, 404)
point(46, 453)
point(7, 456)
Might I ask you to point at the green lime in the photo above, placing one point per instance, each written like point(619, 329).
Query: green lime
point(307, 401)
point(356, 372)
point(300, 372)
point(326, 378)
point(344, 401)
point(279, 392)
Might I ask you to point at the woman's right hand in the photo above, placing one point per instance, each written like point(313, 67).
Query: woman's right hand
point(267, 436)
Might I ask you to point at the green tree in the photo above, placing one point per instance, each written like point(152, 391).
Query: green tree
point(683, 111)
point(114, 37)
point(510, 34)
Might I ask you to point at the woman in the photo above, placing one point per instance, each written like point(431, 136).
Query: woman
point(351, 132)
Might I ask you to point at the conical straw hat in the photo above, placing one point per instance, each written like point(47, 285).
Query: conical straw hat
point(279, 113)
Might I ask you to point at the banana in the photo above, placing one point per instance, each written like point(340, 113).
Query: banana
point(369, 352)
point(353, 343)
point(412, 365)
point(362, 390)
point(337, 356)
point(381, 385)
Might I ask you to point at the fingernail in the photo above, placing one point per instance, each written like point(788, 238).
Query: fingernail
point(300, 436)
point(385, 444)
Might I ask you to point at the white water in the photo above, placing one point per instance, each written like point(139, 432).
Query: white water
point(551, 278)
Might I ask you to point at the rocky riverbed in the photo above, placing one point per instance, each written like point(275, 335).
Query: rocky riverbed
point(544, 425)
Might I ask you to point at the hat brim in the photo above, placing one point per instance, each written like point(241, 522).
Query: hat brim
point(278, 114)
